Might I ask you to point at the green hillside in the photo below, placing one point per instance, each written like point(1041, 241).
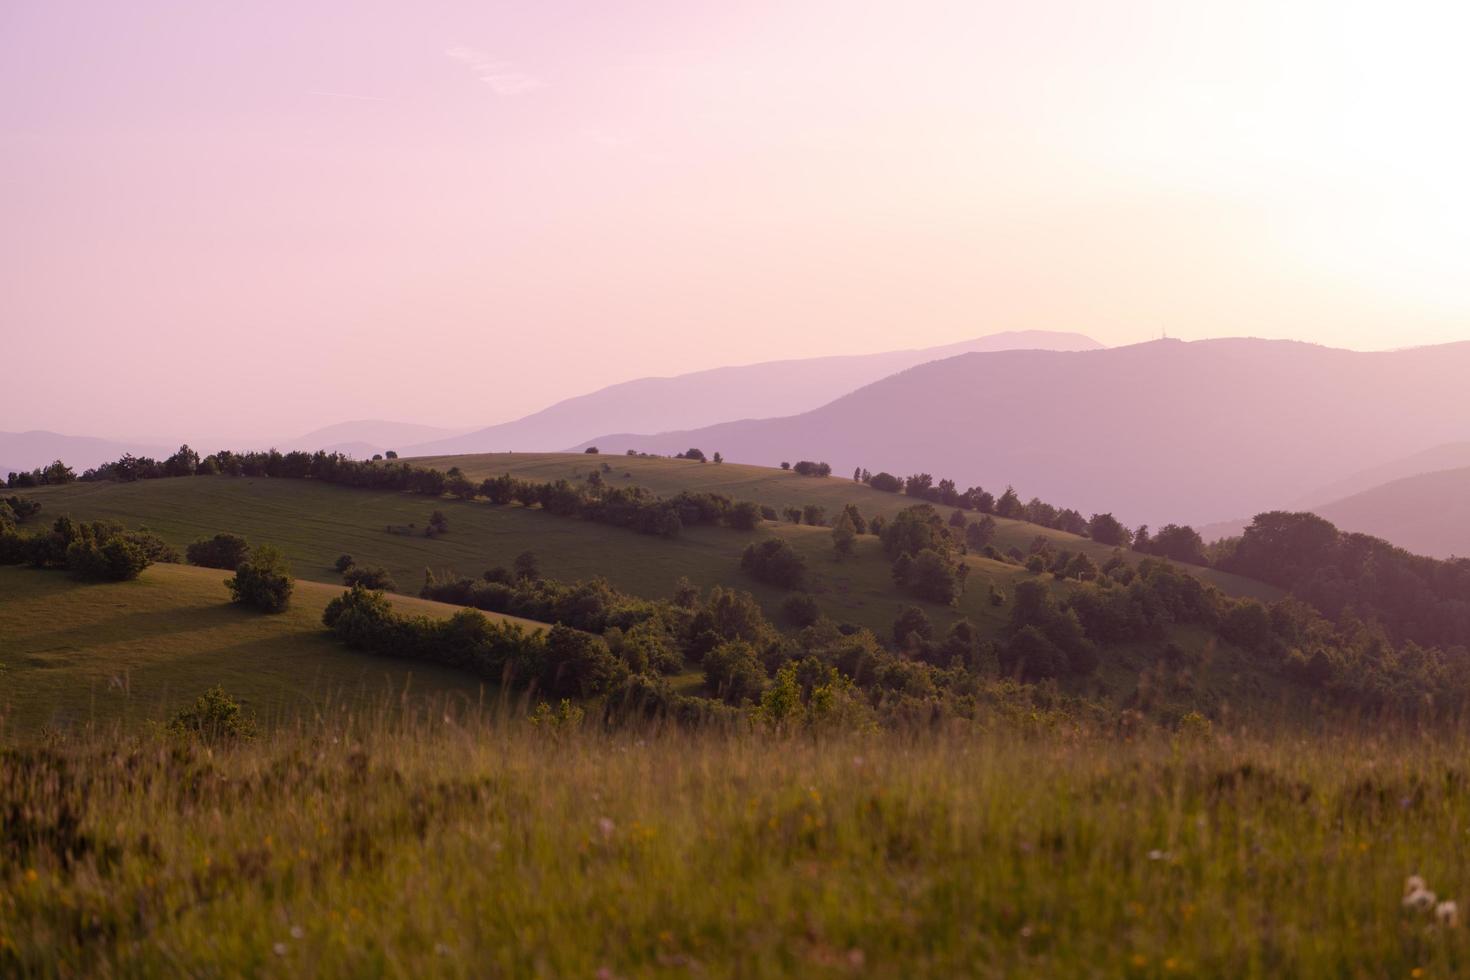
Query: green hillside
point(75, 653)
point(779, 489)
point(313, 523)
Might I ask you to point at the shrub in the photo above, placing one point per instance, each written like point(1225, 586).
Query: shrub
point(214, 717)
point(263, 581)
point(774, 562)
point(370, 577)
point(225, 551)
point(745, 516)
point(800, 610)
point(114, 560)
point(733, 673)
point(886, 482)
point(343, 563)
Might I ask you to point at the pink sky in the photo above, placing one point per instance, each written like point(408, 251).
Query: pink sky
point(226, 220)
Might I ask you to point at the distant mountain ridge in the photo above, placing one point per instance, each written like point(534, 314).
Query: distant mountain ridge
point(1155, 432)
point(39, 448)
point(764, 390)
point(364, 437)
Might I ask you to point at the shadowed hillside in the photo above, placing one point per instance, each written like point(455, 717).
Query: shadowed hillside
point(761, 390)
point(1164, 431)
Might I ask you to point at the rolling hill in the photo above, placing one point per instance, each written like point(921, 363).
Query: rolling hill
point(314, 522)
point(1171, 431)
point(132, 651)
point(703, 398)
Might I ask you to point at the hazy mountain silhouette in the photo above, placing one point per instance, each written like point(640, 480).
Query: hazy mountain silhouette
point(766, 390)
point(1163, 431)
point(364, 437)
point(39, 448)
point(1428, 514)
point(1450, 456)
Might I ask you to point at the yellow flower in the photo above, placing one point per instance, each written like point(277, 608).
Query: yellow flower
point(31, 874)
point(1139, 960)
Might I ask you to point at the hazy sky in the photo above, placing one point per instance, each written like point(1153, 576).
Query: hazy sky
point(239, 219)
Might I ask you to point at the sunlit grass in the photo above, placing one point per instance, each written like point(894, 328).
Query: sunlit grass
point(458, 846)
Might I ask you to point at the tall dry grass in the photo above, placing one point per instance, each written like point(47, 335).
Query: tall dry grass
point(397, 846)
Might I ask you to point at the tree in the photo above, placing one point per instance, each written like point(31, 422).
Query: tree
point(112, 559)
point(785, 465)
point(745, 516)
point(918, 485)
point(1179, 542)
point(931, 576)
point(958, 519)
point(857, 475)
point(591, 450)
point(579, 665)
point(527, 568)
point(800, 610)
point(1106, 529)
point(733, 673)
point(438, 523)
point(263, 581)
point(886, 482)
point(774, 562)
point(692, 454)
point(815, 515)
point(1009, 505)
point(370, 577)
point(343, 563)
point(859, 524)
point(391, 454)
point(718, 458)
point(844, 535)
point(792, 514)
point(223, 550)
point(913, 530)
point(57, 472)
point(911, 622)
point(979, 534)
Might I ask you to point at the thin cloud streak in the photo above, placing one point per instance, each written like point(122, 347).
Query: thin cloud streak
point(503, 77)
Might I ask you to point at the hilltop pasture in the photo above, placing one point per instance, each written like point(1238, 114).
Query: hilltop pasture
point(313, 523)
point(77, 653)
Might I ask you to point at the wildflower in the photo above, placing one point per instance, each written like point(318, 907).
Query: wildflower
point(1413, 884)
point(32, 874)
point(1420, 900)
point(297, 932)
point(280, 949)
point(1447, 914)
point(1158, 855)
point(606, 826)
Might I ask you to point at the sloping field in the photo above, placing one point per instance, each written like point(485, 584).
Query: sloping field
point(779, 488)
point(129, 651)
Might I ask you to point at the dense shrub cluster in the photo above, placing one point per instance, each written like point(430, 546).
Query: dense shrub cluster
point(223, 550)
point(774, 562)
point(263, 581)
point(90, 550)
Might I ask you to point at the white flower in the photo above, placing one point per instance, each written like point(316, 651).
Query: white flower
point(606, 826)
point(1447, 914)
point(280, 949)
point(1157, 855)
point(1413, 884)
point(297, 932)
point(1421, 900)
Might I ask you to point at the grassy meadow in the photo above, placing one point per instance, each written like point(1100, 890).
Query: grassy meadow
point(76, 654)
point(314, 522)
point(457, 846)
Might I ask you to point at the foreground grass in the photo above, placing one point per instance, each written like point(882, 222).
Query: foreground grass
point(76, 653)
point(463, 848)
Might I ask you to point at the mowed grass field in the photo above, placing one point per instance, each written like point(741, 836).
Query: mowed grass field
point(467, 849)
point(75, 654)
point(314, 523)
